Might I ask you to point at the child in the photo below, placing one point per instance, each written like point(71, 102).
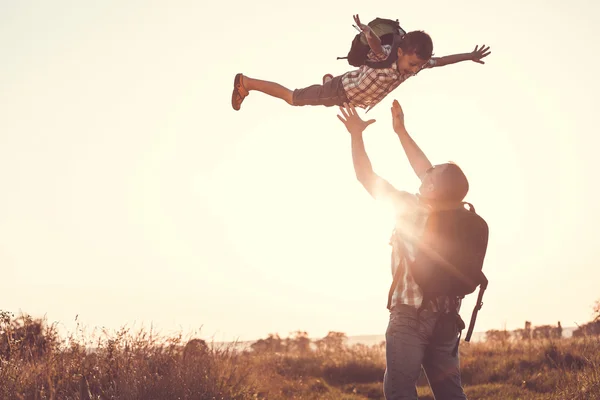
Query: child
point(366, 86)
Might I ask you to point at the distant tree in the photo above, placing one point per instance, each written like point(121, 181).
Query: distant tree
point(558, 331)
point(591, 328)
point(543, 332)
point(299, 342)
point(520, 334)
point(194, 349)
point(494, 335)
point(25, 337)
point(272, 344)
point(523, 334)
point(333, 342)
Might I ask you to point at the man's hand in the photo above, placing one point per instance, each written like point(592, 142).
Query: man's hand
point(366, 29)
point(480, 53)
point(398, 117)
point(417, 159)
point(352, 121)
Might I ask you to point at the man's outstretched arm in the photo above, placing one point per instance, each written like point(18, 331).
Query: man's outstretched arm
point(417, 159)
point(475, 56)
point(377, 187)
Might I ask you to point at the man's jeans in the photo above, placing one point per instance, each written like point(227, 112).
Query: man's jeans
point(410, 344)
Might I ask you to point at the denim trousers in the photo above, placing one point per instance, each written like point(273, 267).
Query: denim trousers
point(410, 345)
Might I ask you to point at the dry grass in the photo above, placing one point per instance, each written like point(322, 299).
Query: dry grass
point(36, 364)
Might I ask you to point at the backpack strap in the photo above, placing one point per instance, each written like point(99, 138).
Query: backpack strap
point(482, 287)
point(471, 207)
point(477, 307)
point(397, 276)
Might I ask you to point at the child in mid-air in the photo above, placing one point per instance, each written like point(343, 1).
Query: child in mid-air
point(368, 85)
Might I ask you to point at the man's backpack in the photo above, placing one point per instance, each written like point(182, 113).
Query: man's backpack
point(388, 31)
point(449, 257)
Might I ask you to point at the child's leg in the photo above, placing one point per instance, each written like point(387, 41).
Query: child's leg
point(270, 88)
point(243, 85)
point(331, 93)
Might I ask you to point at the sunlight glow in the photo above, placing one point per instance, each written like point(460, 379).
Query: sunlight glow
point(126, 175)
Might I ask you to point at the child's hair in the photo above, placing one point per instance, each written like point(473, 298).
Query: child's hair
point(419, 43)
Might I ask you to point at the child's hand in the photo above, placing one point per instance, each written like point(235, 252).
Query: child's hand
point(478, 54)
point(398, 117)
point(366, 29)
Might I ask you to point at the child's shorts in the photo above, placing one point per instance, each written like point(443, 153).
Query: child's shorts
point(330, 94)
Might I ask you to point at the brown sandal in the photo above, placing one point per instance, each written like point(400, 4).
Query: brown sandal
point(239, 92)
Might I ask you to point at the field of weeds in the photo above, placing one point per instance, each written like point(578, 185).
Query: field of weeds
point(35, 363)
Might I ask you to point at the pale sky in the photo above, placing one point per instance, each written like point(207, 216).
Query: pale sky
point(133, 194)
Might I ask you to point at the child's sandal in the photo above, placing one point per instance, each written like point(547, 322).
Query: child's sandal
point(239, 92)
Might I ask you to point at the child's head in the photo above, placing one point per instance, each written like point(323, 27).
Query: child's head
point(414, 51)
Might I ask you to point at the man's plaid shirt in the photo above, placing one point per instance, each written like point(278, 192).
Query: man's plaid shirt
point(411, 218)
point(366, 86)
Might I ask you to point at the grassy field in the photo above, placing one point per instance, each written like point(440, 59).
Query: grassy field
point(37, 364)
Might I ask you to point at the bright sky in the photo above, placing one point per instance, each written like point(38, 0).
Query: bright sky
point(133, 194)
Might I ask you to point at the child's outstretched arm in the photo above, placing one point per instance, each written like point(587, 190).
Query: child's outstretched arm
point(372, 38)
point(476, 56)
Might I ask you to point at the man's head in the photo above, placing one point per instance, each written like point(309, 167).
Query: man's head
point(444, 183)
point(414, 51)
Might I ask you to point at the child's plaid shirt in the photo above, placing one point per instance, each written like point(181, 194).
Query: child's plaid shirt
point(366, 86)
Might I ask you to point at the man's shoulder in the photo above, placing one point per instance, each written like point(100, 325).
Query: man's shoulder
point(407, 196)
point(409, 203)
point(403, 198)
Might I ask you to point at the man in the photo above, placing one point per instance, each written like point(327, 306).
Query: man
point(421, 331)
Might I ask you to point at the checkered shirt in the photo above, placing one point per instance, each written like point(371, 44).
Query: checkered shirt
point(366, 86)
point(411, 218)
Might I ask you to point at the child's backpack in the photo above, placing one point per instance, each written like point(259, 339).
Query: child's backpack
point(449, 257)
point(387, 30)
